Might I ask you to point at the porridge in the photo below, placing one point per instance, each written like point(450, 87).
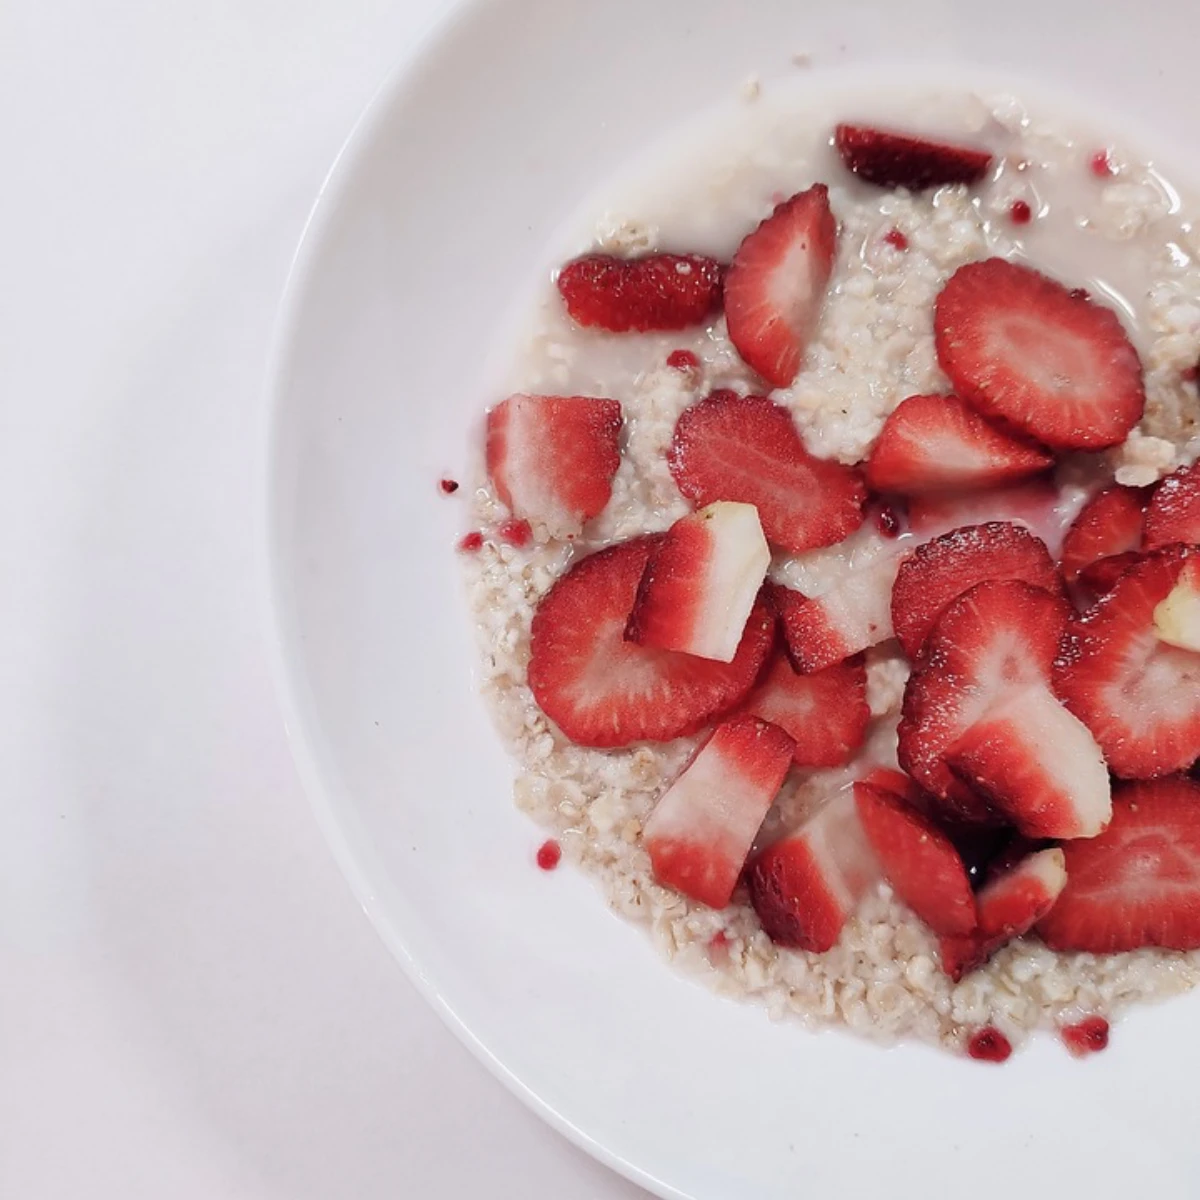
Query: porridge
point(834, 570)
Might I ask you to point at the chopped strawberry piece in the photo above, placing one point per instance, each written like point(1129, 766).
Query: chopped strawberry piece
point(602, 690)
point(1025, 350)
point(939, 443)
point(553, 458)
point(1109, 524)
point(775, 286)
point(1138, 694)
point(899, 160)
point(1138, 883)
point(1086, 1037)
point(989, 1045)
point(1173, 514)
point(701, 583)
point(653, 292)
point(824, 713)
point(747, 448)
point(701, 831)
point(1009, 906)
point(994, 640)
point(1101, 576)
point(944, 568)
point(918, 860)
point(805, 886)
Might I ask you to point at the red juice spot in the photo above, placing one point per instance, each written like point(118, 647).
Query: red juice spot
point(1020, 212)
point(514, 531)
point(682, 360)
point(1102, 165)
point(449, 486)
point(471, 542)
point(548, 855)
point(718, 948)
point(1190, 374)
point(989, 1045)
point(894, 237)
point(1086, 1037)
point(1080, 294)
point(887, 522)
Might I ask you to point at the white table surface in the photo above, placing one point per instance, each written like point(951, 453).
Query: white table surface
point(191, 1003)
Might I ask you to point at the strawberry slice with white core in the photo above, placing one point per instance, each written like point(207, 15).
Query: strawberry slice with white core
point(775, 286)
point(805, 887)
point(552, 458)
point(1138, 883)
point(824, 713)
point(701, 582)
point(1137, 693)
point(944, 568)
point(1038, 764)
point(1177, 618)
point(1009, 906)
point(1173, 514)
point(995, 640)
point(1110, 523)
point(1046, 360)
point(602, 690)
point(940, 443)
point(701, 830)
point(917, 859)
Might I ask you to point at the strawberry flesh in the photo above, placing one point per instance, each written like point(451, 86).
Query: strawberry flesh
point(1108, 525)
point(898, 160)
point(653, 292)
point(1173, 514)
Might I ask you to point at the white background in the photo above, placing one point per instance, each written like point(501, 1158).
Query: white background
point(191, 1004)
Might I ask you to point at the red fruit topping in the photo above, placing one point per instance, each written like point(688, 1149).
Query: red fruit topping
point(1020, 213)
point(1023, 349)
point(548, 855)
point(448, 486)
point(1136, 692)
point(1190, 374)
point(746, 448)
point(701, 830)
point(894, 237)
point(824, 713)
point(944, 568)
point(471, 542)
point(552, 458)
point(654, 292)
point(939, 444)
point(887, 521)
point(604, 691)
point(682, 360)
point(989, 1045)
point(1085, 1037)
point(895, 160)
point(514, 532)
point(1101, 165)
point(775, 286)
point(1101, 576)
point(918, 860)
point(1173, 514)
point(1109, 524)
point(1138, 883)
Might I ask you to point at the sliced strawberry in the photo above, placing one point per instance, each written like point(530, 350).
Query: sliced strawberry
point(655, 291)
point(1009, 905)
point(805, 886)
point(1101, 576)
point(937, 572)
point(1138, 883)
point(996, 639)
point(1038, 764)
point(604, 691)
point(824, 713)
point(775, 286)
point(701, 830)
point(1109, 524)
point(553, 458)
point(940, 443)
point(1173, 514)
point(900, 160)
point(1037, 505)
point(918, 860)
point(1048, 361)
point(1139, 695)
point(746, 448)
point(701, 583)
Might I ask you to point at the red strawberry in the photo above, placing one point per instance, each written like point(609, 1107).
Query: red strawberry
point(604, 691)
point(1138, 883)
point(998, 638)
point(1038, 764)
point(701, 830)
point(656, 291)
point(1101, 576)
point(1173, 514)
point(939, 443)
point(553, 458)
point(825, 713)
point(1136, 692)
point(899, 160)
point(746, 448)
point(1048, 361)
point(805, 886)
point(701, 583)
point(1009, 905)
point(1109, 524)
point(918, 860)
point(775, 286)
point(1037, 505)
point(937, 572)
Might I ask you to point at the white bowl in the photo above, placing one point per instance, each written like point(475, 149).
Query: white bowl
point(441, 211)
